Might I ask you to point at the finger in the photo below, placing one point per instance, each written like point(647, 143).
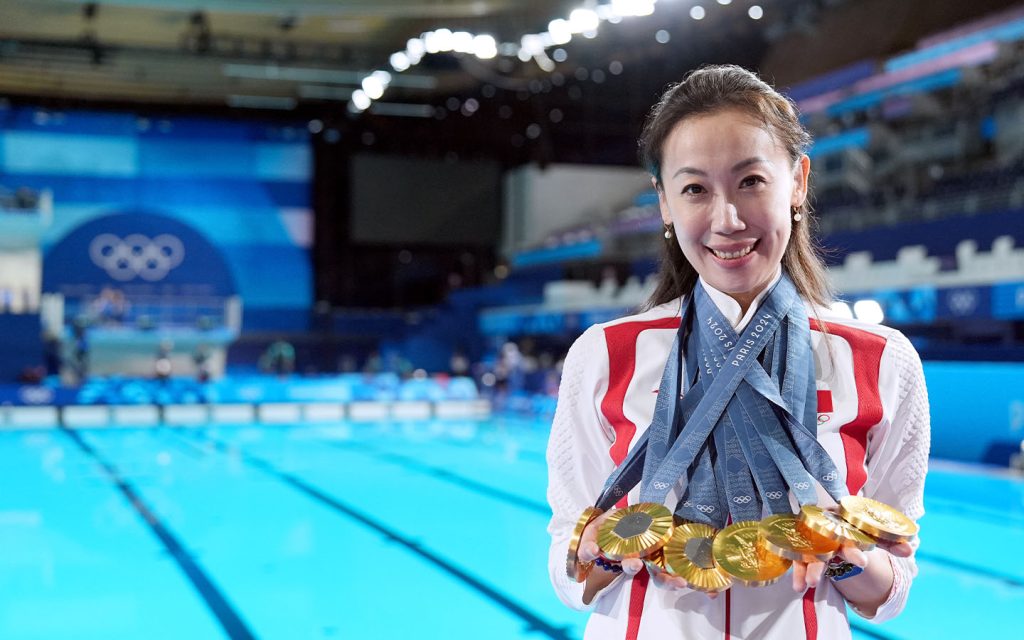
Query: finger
point(667, 581)
point(814, 571)
point(713, 594)
point(588, 551)
point(854, 556)
point(900, 549)
point(632, 566)
point(799, 577)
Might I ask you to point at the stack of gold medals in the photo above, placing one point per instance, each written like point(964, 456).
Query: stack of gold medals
point(752, 554)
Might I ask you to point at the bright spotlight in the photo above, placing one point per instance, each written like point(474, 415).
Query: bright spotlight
point(373, 87)
point(560, 31)
point(697, 12)
point(841, 309)
point(532, 44)
point(462, 42)
point(360, 100)
point(414, 48)
point(633, 7)
point(755, 12)
point(399, 61)
point(485, 47)
point(582, 20)
point(868, 311)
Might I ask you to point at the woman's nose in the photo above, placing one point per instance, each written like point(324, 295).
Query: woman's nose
point(726, 217)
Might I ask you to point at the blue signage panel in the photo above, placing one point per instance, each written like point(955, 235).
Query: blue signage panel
point(965, 302)
point(1008, 300)
point(139, 253)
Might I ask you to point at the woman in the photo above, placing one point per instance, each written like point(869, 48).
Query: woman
point(727, 156)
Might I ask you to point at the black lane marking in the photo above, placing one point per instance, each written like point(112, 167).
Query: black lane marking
point(443, 474)
point(964, 567)
point(229, 619)
point(532, 620)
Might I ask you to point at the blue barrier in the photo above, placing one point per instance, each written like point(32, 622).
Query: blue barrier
point(975, 406)
point(256, 389)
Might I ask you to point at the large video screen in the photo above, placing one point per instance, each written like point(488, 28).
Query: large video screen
point(399, 200)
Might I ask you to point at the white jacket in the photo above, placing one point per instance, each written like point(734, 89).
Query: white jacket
point(873, 421)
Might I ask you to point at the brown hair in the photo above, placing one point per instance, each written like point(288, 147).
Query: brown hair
point(711, 89)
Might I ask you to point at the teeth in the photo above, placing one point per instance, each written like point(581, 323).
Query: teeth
point(732, 255)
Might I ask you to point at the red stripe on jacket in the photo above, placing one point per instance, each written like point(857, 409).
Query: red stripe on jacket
point(866, 348)
point(621, 340)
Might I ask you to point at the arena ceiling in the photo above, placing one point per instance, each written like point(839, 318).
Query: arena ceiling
point(304, 59)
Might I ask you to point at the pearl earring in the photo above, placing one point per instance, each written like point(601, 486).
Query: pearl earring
point(668, 233)
point(796, 215)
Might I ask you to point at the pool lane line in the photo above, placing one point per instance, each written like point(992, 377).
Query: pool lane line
point(948, 507)
point(533, 621)
point(965, 567)
point(229, 619)
point(442, 474)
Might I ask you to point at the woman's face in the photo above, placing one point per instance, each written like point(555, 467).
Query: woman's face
point(728, 187)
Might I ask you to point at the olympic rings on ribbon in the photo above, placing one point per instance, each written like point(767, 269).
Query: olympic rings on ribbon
point(136, 256)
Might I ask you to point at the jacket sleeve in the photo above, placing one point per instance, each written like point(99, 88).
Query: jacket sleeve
point(577, 454)
point(897, 455)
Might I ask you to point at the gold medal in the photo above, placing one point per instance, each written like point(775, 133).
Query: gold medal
point(635, 531)
point(656, 560)
point(739, 552)
point(577, 570)
point(831, 526)
point(688, 555)
point(877, 519)
point(784, 536)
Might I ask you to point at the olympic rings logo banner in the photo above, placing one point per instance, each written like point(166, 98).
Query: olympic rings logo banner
point(137, 255)
point(142, 254)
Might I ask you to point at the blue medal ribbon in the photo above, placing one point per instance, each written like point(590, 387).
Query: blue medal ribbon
point(734, 438)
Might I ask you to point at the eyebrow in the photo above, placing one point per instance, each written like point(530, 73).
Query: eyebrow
point(742, 164)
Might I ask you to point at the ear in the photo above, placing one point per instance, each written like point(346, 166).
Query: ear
point(666, 217)
point(801, 174)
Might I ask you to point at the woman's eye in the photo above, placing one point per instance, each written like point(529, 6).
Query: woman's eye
point(751, 181)
point(693, 189)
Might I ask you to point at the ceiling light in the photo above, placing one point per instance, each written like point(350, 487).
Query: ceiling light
point(868, 311)
point(633, 7)
point(840, 309)
point(532, 44)
point(360, 100)
point(697, 12)
point(561, 32)
point(399, 61)
point(755, 12)
point(462, 42)
point(583, 20)
point(373, 87)
point(485, 47)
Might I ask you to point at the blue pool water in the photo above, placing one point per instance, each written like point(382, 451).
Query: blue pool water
point(406, 530)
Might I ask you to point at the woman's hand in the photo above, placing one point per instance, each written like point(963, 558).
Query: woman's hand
point(599, 578)
point(867, 591)
point(588, 551)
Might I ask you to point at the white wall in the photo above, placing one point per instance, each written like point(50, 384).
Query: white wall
point(539, 201)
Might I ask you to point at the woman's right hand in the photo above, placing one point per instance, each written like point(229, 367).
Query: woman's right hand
point(599, 578)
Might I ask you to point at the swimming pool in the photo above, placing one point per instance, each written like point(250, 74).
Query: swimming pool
point(372, 530)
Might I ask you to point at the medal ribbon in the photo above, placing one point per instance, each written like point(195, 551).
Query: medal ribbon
point(741, 443)
point(759, 441)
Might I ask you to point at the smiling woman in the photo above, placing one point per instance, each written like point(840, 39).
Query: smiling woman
point(745, 125)
point(732, 434)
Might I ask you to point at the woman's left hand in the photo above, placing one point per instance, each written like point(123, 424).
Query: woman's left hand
point(808, 575)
